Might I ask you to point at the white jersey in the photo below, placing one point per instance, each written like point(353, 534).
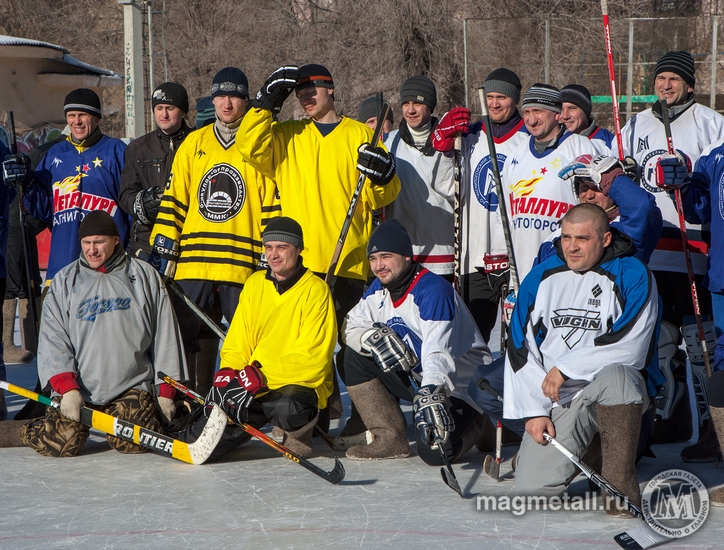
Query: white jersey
point(425, 203)
point(644, 140)
point(481, 227)
point(536, 197)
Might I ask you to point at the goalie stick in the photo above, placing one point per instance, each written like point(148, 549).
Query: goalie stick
point(640, 537)
point(335, 476)
point(192, 453)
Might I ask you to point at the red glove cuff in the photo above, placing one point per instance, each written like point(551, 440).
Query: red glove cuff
point(64, 382)
point(166, 390)
point(251, 378)
point(224, 376)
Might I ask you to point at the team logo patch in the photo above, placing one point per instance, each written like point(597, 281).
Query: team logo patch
point(89, 309)
point(643, 144)
point(648, 164)
point(411, 339)
point(578, 321)
point(221, 194)
point(484, 182)
point(720, 195)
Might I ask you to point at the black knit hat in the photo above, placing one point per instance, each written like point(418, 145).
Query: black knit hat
point(285, 230)
point(419, 89)
point(230, 81)
point(171, 93)
point(390, 236)
point(544, 96)
point(681, 63)
point(314, 75)
point(97, 222)
point(369, 108)
point(84, 100)
point(503, 81)
point(579, 96)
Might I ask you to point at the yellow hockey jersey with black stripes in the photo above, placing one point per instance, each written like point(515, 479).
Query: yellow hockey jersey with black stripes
point(292, 334)
point(316, 176)
point(215, 206)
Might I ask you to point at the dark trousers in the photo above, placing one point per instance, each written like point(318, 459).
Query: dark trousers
point(15, 260)
point(482, 299)
point(675, 295)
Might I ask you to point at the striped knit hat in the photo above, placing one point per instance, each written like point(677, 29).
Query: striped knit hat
point(681, 63)
point(544, 96)
point(84, 100)
point(579, 96)
point(503, 81)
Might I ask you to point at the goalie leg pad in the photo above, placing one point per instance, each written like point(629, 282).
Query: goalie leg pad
point(135, 406)
point(695, 351)
point(55, 435)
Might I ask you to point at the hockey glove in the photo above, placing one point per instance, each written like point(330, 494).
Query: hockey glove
point(70, 405)
point(164, 255)
point(375, 163)
point(146, 203)
point(16, 169)
point(497, 269)
point(276, 89)
point(601, 170)
point(672, 171)
point(631, 169)
point(432, 416)
point(455, 121)
point(388, 350)
point(234, 390)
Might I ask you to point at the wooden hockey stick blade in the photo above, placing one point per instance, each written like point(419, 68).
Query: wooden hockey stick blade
point(335, 476)
point(640, 538)
point(491, 467)
point(191, 453)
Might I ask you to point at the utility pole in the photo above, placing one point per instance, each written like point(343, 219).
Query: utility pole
point(133, 54)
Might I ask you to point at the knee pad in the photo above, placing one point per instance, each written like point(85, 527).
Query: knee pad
point(54, 435)
point(134, 406)
point(695, 351)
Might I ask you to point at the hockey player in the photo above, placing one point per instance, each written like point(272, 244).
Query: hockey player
point(276, 362)
point(484, 258)
point(108, 328)
point(75, 177)
point(425, 203)
point(368, 111)
point(411, 323)
point(576, 117)
point(537, 197)
point(581, 331)
point(11, 176)
point(148, 163)
point(211, 218)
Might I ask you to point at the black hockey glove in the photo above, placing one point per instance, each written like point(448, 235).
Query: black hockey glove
point(388, 350)
point(145, 206)
point(432, 416)
point(376, 163)
point(164, 255)
point(234, 390)
point(16, 169)
point(276, 89)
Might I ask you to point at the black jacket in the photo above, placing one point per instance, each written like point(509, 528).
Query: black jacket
point(148, 164)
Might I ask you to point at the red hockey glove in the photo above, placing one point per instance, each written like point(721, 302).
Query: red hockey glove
point(455, 121)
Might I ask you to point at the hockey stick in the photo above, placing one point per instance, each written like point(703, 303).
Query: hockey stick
point(685, 243)
point(492, 466)
point(457, 215)
point(612, 78)
point(330, 277)
point(173, 285)
point(638, 538)
point(192, 453)
point(447, 476)
point(335, 476)
point(29, 272)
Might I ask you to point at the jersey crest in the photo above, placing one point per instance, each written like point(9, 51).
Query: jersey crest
point(413, 341)
point(578, 321)
point(648, 164)
point(221, 194)
point(484, 182)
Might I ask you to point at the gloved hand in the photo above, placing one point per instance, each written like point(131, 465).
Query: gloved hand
point(15, 169)
point(631, 169)
point(455, 121)
point(497, 270)
point(146, 203)
point(277, 88)
point(672, 171)
point(70, 405)
point(166, 407)
point(164, 255)
point(388, 350)
point(375, 163)
point(509, 306)
point(601, 170)
point(234, 390)
point(432, 415)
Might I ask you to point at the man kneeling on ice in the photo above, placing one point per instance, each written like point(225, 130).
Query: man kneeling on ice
point(276, 361)
point(411, 330)
point(581, 333)
point(107, 328)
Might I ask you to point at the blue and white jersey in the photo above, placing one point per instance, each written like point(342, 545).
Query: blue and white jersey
point(434, 323)
point(602, 140)
point(580, 323)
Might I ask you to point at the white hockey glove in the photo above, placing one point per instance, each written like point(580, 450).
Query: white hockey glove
point(70, 405)
point(388, 350)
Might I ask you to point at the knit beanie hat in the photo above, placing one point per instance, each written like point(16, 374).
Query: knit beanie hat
point(230, 81)
point(369, 108)
point(171, 93)
point(681, 63)
point(84, 100)
point(205, 112)
point(503, 81)
point(390, 236)
point(419, 89)
point(544, 96)
point(579, 96)
point(97, 222)
point(314, 75)
point(285, 230)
